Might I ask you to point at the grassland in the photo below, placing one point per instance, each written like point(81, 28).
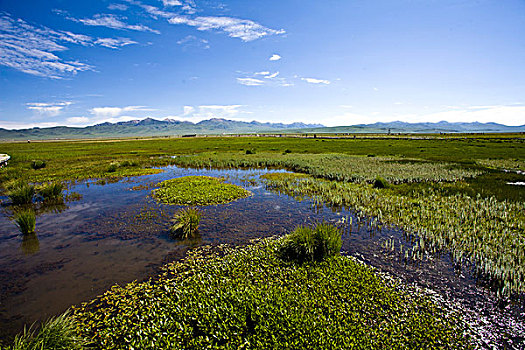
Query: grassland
point(449, 192)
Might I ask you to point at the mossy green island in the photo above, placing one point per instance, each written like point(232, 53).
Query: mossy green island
point(198, 190)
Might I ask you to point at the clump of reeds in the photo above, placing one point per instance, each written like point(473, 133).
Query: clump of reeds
point(186, 223)
point(308, 244)
point(26, 220)
point(57, 333)
point(51, 191)
point(21, 194)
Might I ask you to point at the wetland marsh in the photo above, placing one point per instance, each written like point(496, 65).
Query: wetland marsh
point(437, 227)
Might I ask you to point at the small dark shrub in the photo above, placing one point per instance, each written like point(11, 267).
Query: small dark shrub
point(25, 220)
point(22, 194)
point(52, 191)
point(371, 155)
point(307, 244)
point(380, 182)
point(38, 164)
point(250, 151)
point(287, 151)
point(112, 168)
point(186, 223)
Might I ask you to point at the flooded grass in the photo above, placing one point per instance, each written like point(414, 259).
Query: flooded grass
point(485, 231)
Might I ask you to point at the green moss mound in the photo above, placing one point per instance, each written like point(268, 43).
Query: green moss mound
point(198, 190)
point(249, 298)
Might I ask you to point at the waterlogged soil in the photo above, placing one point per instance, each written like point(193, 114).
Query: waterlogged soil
point(117, 233)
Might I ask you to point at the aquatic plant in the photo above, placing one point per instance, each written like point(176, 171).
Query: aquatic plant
point(198, 190)
point(38, 164)
point(21, 194)
point(186, 223)
point(307, 244)
point(340, 167)
point(26, 221)
point(57, 333)
point(51, 191)
point(228, 298)
point(488, 232)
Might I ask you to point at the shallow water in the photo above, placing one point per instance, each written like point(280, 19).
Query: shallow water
point(117, 233)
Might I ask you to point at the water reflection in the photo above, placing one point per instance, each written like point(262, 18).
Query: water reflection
point(30, 244)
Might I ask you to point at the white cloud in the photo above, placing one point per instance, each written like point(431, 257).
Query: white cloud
point(171, 3)
point(271, 79)
point(114, 22)
point(120, 7)
point(114, 43)
point(193, 41)
point(250, 81)
point(316, 81)
point(78, 121)
point(35, 50)
point(243, 29)
point(275, 57)
point(111, 112)
point(47, 109)
point(188, 110)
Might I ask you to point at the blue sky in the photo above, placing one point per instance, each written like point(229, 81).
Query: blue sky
point(343, 62)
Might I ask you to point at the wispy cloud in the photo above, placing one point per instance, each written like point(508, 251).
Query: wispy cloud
point(120, 7)
point(47, 109)
point(256, 79)
point(114, 43)
point(171, 3)
point(250, 81)
point(114, 22)
point(243, 29)
point(35, 50)
point(193, 41)
point(111, 112)
point(275, 57)
point(32, 49)
point(316, 81)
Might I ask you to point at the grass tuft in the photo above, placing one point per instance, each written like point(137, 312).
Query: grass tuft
point(26, 221)
point(186, 223)
point(22, 194)
point(51, 191)
point(58, 333)
point(308, 244)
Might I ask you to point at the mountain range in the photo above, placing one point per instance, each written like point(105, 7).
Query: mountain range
point(217, 126)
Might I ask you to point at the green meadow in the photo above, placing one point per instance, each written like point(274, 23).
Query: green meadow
point(451, 194)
